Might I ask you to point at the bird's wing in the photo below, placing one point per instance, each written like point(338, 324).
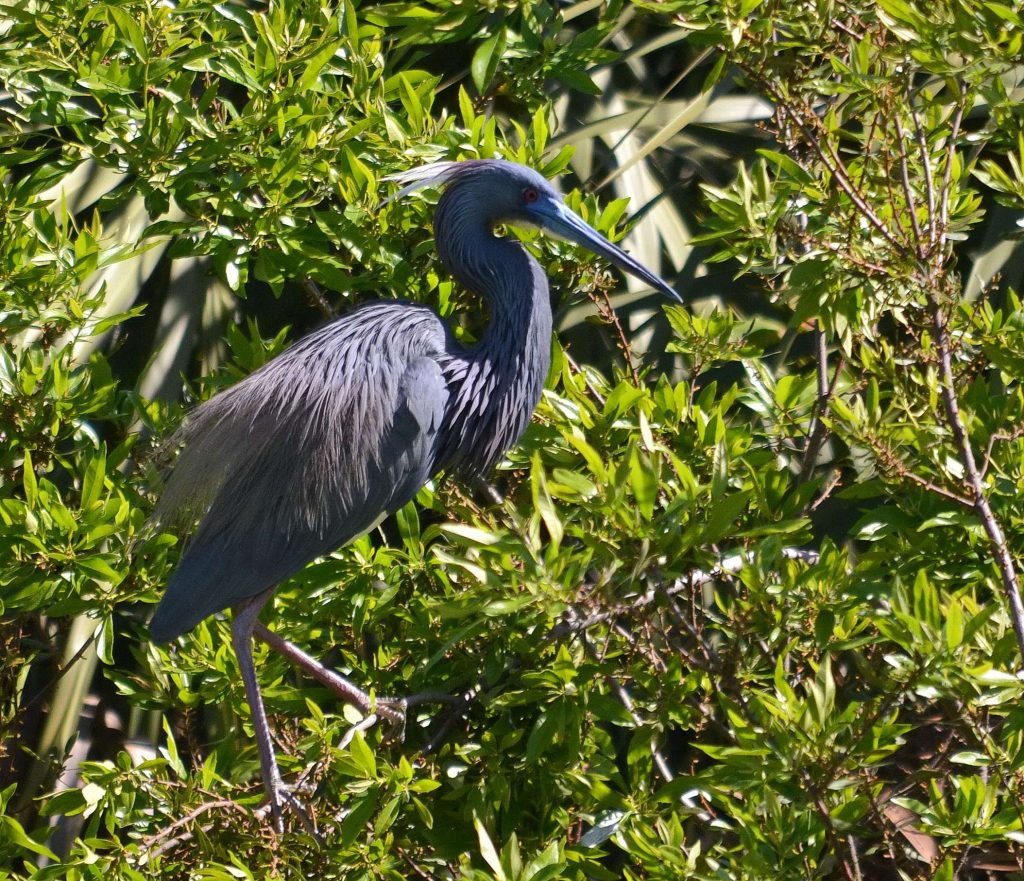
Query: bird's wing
point(308, 452)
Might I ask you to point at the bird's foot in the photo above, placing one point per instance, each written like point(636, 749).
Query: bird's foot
point(395, 710)
point(391, 711)
point(280, 796)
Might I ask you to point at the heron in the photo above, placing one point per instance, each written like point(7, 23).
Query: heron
point(324, 441)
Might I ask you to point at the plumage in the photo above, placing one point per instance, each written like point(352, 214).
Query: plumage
point(323, 457)
point(343, 428)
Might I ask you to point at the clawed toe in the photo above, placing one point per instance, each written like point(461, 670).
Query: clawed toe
point(389, 711)
point(279, 796)
point(393, 711)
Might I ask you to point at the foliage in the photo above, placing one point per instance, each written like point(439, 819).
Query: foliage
point(743, 612)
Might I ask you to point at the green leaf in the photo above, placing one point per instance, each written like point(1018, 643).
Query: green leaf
point(488, 850)
point(486, 58)
point(725, 515)
point(355, 823)
point(362, 755)
point(543, 503)
point(92, 478)
point(28, 481)
point(313, 66)
point(13, 833)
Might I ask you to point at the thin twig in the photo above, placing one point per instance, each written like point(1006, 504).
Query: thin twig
point(833, 482)
point(461, 703)
point(821, 368)
point(908, 193)
point(929, 186)
point(217, 804)
point(586, 378)
point(826, 817)
point(729, 565)
point(868, 267)
point(833, 163)
point(825, 392)
point(938, 490)
point(419, 870)
point(993, 439)
point(607, 313)
point(364, 724)
point(627, 701)
point(62, 672)
point(889, 459)
point(954, 132)
point(852, 841)
point(319, 300)
point(840, 25)
point(997, 540)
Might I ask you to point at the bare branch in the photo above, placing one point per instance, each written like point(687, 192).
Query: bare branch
point(825, 391)
point(997, 540)
point(832, 162)
point(954, 133)
point(908, 192)
point(929, 186)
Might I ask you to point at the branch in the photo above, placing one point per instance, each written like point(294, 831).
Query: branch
point(831, 160)
point(316, 296)
point(997, 540)
point(627, 702)
point(729, 565)
point(954, 132)
point(607, 313)
point(993, 439)
point(825, 391)
point(889, 459)
point(908, 192)
point(213, 805)
point(929, 186)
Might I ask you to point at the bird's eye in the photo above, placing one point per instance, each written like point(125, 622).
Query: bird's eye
point(530, 195)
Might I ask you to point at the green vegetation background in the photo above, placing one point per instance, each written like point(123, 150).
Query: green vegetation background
point(743, 612)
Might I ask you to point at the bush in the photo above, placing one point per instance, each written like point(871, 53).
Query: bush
point(746, 609)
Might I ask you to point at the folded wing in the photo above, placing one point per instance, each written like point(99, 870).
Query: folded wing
point(307, 453)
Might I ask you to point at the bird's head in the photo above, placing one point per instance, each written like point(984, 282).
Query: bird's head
point(517, 195)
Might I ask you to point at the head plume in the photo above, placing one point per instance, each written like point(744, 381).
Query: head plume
point(429, 175)
point(435, 174)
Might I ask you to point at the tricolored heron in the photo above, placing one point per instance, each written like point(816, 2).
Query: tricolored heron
point(342, 429)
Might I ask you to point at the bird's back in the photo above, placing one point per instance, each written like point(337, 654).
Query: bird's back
point(302, 456)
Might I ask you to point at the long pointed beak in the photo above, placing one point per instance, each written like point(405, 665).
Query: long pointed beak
point(558, 220)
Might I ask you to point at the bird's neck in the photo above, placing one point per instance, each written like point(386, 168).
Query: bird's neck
point(497, 384)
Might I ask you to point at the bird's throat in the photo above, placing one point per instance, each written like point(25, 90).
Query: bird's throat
point(496, 385)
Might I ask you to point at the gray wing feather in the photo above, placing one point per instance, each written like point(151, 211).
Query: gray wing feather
point(302, 456)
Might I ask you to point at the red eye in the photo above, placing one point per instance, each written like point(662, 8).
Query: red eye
point(530, 195)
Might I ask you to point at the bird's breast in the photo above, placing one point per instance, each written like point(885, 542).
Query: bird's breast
point(490, 406)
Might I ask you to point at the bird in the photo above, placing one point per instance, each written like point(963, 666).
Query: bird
point(342, 429)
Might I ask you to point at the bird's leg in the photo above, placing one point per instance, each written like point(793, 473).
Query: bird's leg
point(392, 710)
point(242, 625)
